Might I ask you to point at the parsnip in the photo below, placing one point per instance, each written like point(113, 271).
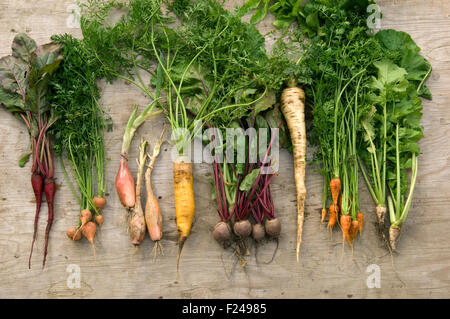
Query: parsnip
point(293, 109)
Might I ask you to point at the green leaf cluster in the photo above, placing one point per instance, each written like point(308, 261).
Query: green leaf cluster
point(24, 90)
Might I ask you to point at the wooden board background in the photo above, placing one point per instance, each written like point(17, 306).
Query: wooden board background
point(422, 267)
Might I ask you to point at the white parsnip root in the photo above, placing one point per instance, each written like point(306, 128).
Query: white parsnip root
point(293, 109)
point(381, 213)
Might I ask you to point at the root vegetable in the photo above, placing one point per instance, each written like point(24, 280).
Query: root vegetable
point(354, 228)
point(222, 232)
point(293, 109)
point(381, 214)
point(183, 183)
point(258, 232)
point(360, 217)
point(99, 220)
point(24, 92)
point(73, 233)
point(394, 233)
point(125, 184)
point(124, 179)
point(332, 220)
point(346, 223)
point(99, 202)
point(242, 228)
point(37, 182)
point(323, 215)
point(136, 226)
point(273, 227)
point(153, 215)
point(335, 187)
point(49, 190)
point(89, 231)
point(85, 216)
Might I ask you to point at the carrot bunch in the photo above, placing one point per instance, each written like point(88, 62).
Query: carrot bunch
point(340, 167)
point(80, 133)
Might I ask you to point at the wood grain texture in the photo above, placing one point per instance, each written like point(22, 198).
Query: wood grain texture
point(422, 267)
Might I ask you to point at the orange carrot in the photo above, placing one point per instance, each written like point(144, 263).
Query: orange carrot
point(335, 187)
point(73, 234)
point(332, 220)
point(324, 215)
point(354, 228)
point(85, 217)
point(360, 218)
point(88, 231)
point(99, 202)
point(99, 220)
point(346, 222)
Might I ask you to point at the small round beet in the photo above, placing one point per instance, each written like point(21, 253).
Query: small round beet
point(222, 232)
point(258, 232)
point(242, 228)
point(273, 227)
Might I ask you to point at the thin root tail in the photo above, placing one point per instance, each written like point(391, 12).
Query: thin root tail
point(181, 242)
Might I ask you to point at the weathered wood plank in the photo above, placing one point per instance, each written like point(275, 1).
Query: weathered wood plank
point(423, 266)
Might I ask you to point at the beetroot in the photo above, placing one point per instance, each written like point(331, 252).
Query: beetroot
point(242, 228)
point(222, 232)
point(273, 227)
point(258, 232)
point(37, 182)
point(49, 190)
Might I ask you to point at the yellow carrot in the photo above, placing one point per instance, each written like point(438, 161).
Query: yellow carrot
point(183, 183)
